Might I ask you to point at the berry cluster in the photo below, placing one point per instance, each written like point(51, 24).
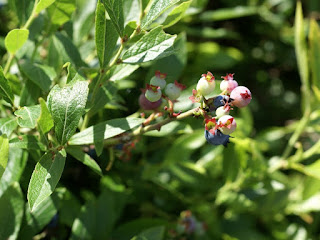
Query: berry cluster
point(151, 97)
point(219, 127)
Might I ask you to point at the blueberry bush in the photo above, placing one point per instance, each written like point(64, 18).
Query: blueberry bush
point(116, 124)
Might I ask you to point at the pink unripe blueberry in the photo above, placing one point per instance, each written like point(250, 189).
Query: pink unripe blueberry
point(173, 90)
point(159, 80)
point(241, 96)
point(228, 84)
point(206, 84)
point(153, 93)
point(146, 104)
point(227, 124)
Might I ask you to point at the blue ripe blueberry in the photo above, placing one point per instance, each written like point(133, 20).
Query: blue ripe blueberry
point(218, 138)
point(220, 101)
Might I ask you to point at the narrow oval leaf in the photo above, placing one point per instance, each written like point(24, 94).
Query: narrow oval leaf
point(105, 130)
point(78, 154)
point(155, 44)
point(7, 125)
point(15, 39)
point(115, 11)
point(27, 142)
point(66, 106)
point(301, 52)
point(11, 212)
point(45, 177)
point(36, 74)
point(43, 4)
point(176, 14)
point(27, 116)
point(5, 89)
point(156, 9)
point(106, 36)
point(45, 121)
point(60, 11)
point(314, 41)
point(4, 153)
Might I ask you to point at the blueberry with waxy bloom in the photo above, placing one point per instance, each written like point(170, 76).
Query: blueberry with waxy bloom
point(159, 79)
point(153, 93)
point(228, 84)
point(206, 84)
point(241, 96)
point(218, 138)
point(173, 90)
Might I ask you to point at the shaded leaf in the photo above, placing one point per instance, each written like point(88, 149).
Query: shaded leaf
point(105, 36)
point(22, 9)
point(115, 11)
point(156, 9)
point(11, 212)
point(5, 89)
point(27, 142)
point(153, 45)
point(4, 153)
point(36, 74)
point(104, 130)
point(15, 39)
point(45, 177)
point(78, 154)
point(314, 42)
point(67, 106)
point(27, 116)
point(45, 121)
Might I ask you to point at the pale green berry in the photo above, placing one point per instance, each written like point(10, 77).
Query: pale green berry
point(221, 111)
point(156, 81)
point(153, 93)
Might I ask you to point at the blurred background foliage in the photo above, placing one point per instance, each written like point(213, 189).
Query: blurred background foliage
point(264, 185)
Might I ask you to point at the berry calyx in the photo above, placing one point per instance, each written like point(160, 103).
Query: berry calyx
point(228, 84)
point(196, 97)
point(211, 125)
point(159, 79)
point(153, 93)
point(227, 124)
point(206, 84)
point(241, 96)
point(173, 90)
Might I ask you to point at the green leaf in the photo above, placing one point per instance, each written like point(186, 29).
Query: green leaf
point(154, 233)
point(121, 71)
point(36, 74)
point(11, 212)
point(45, 177)
point(22, 9)
point(314, 42)
point(27, 142)
point(7, 125)
point(60, 11)
point(66, 106)
point(176, 14)
point(115, 11)
point(27, 116)
point(4, 153)
point(105, 36)
point(5, 89)
point(78, 154)
point(15, 167)
point(155, 44)
point(43, 4)
point(156, 9)
point(30, 94)
point(37, 219)
point(301, 53)
point(67, 49)
point(45, 121)
point(104, 130)
point(229, 13)
point(15, 39)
